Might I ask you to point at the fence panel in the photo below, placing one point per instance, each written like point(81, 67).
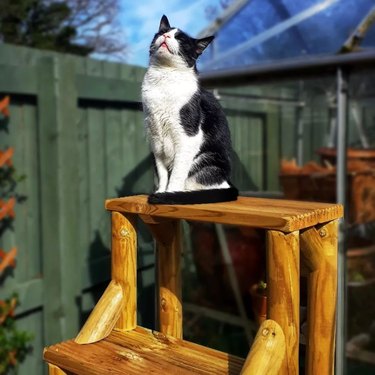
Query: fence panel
point(77, 129)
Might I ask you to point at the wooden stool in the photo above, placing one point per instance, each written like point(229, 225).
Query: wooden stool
point(111, 343)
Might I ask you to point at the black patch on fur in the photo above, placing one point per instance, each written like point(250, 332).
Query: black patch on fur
point(194, 197)
point(214, 157)
point(190, 115)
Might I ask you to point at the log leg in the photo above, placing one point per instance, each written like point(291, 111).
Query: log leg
point(319, 253)
point(104, 316)
point(168, 258)
point(54, 370)
point(267, 353)
point(117, 306)
point(284, 291)
point(124, 266)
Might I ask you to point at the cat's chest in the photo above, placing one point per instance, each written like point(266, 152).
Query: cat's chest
point(167, 91)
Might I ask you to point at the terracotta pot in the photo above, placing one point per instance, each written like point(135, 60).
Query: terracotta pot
point(361, 265)
point(258, 303)
point(355, 157)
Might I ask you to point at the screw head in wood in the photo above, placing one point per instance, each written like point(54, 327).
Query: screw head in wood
point(322, 232)
point(163, 304)
point(265, 332)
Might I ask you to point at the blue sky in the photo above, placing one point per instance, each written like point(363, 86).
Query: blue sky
point(140, 20)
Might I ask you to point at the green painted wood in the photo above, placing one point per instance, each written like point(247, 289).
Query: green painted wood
point(58, 152)
point(18, 80)
point(107, 89)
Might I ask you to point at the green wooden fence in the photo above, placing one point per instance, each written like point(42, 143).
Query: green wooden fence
point(77, 129)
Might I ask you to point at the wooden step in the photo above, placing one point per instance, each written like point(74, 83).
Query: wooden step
point(276, 214)
point(141, 351)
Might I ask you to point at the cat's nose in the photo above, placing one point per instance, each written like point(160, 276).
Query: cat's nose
point(166, 36)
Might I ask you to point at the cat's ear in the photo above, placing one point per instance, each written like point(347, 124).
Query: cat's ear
point(203, 43)
point(164, 24)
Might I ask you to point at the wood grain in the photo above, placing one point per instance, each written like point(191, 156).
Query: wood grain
point(283, 215)
point(53, 370)
point(322, 294)
point(168, 258)
point(104, 316)
point(267, 352)
point(283, 288)
point(124, 266)
point(141, 351)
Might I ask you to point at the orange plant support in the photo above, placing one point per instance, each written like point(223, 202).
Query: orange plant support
point(4, 106)
point(5, 157)
point(7, 208)
point(7, 259)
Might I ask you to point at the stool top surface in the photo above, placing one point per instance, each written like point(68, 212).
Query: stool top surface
point(276, 214)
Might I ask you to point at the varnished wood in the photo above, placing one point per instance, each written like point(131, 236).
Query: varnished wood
point(104, 316)
point(168, 259)
point(141, 351)
point(322, 292)
point(267, 352)
point(283, 291)
point(283, 215)
point(124, 266)
point(54, 370)
point(310, 242)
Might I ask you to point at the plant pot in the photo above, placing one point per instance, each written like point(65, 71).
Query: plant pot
point(356, 158)
point(314, 182)
point(361, 265)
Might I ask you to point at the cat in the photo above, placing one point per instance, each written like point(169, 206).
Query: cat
point(186, 127)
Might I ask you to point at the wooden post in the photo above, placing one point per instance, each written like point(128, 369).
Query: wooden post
point(168, 257)
point(104, 316)
point(124, 266)
point(267, 352)
point(57, 144)
point(284, 291)
point(54, 370)
point(320, 243)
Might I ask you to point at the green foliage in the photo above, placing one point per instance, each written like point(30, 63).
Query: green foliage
point(38, 24)
point(14, 344)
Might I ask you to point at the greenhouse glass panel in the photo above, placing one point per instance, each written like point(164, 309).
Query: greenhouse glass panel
point(266, 31)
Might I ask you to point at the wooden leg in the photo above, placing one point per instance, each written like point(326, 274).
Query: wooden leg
point(117, 307)
point(319, 253)
point(54, 370)
point(124, 266)
point(104, 316)
point(267, 353)
point(168, 238)
point(284, 291)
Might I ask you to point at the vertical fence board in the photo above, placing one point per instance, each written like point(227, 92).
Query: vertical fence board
point(58, 140)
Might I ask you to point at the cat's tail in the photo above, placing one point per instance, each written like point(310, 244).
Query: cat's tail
point(195, 196)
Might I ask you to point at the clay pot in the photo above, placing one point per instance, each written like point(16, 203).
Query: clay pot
point(361, 265)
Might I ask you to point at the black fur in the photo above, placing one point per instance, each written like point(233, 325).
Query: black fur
point(195, 197)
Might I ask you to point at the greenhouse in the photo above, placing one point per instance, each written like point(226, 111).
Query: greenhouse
point(303, 73)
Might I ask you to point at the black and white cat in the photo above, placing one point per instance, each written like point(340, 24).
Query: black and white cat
point(185, 124)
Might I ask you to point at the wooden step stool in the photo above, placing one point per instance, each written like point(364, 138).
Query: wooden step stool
point(111, 343)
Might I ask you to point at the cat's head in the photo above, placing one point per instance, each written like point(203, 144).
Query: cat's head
point(173, 47)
